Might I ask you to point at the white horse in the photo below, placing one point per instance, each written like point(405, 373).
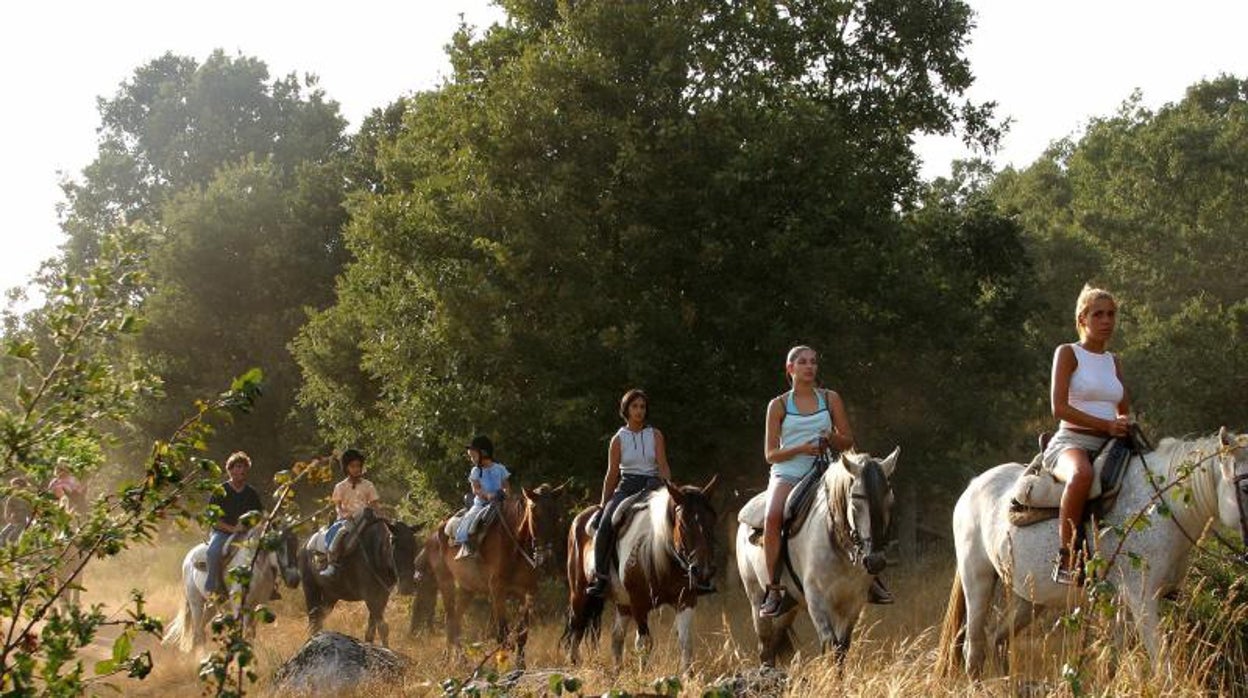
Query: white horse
point(187, 629)
point(1213, 471)
point(830, 561)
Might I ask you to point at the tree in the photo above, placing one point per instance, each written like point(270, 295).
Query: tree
point(242, 181)
point(1151, 204)
point(69, 393)
point(658, 194)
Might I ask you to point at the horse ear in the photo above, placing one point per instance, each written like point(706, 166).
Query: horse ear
point(706, 489)
point(674, 491)
point(851, 464)
point(562, 485)
point(1224, 437)
point(890, 464)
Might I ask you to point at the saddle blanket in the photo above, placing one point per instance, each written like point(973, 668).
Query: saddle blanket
point(1038, 488)
point(478, 520)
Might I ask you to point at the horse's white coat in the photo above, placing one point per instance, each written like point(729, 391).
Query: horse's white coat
point(989, 548)
point(835, 587)
point(187, 629)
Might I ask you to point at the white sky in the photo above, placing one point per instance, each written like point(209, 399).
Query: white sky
point(1049, 65)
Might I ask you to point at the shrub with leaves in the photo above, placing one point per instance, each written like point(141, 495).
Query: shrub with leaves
point(68, 386)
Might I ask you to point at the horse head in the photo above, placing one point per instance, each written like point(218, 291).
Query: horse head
point(693, 531)
point(1233, 487)
point(403, 550)
point(542, 520)
point(869, 502)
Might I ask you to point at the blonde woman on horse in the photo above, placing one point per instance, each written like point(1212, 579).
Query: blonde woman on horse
point(1090, 399)
point(801, 423)
point(351, 497)
point(636, 461)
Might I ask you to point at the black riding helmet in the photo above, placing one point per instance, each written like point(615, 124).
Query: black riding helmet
point(482, 443)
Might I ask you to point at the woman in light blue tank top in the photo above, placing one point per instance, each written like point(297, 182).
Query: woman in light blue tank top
point(800, 424)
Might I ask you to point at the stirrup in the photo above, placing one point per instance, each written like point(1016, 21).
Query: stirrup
point(330, 570)
point(1066, 571)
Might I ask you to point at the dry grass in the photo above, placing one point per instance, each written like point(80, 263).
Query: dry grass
point(893, 652)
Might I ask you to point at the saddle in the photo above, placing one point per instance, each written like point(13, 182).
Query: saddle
point(796, 507)
point(1038, 493)
point(318, 544)
point(623, 514)
point(477, 527)
point(232, 546)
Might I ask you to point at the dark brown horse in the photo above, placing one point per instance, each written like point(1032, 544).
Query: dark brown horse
point(663, 555)
point(505, 567)
point(383, 557)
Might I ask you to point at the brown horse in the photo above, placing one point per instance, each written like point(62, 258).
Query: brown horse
point(663, 555)
point(505, 566)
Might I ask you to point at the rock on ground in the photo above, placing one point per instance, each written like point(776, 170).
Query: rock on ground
point(330, 662)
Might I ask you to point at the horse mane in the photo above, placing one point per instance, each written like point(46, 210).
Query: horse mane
point(517, 515)
point(1190, 458)
point(837, 481)
point(657, 563)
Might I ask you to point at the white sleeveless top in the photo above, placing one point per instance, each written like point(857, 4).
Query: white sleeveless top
point(637, 452)
point(1094, 386)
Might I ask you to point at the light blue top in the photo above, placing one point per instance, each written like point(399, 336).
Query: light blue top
point(491, 479)
point(798, 428)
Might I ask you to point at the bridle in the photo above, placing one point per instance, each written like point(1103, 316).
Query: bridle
point(681, 554)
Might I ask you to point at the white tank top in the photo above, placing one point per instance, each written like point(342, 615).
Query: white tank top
point(1094, 386)
point(637, 452)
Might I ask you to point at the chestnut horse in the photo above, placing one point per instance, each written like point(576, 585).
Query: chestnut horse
point(505, 566)
point(663, 555)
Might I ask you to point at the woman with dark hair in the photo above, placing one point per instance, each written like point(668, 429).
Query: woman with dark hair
point(636, 461)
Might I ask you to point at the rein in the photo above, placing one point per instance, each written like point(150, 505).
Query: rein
point(1241, 556)
point(519, 548)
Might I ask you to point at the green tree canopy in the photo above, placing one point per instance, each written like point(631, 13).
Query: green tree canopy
point(668, 195)
point(1153, 204)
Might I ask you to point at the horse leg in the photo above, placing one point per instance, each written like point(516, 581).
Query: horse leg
point(522, 629)
point(377, 619)
point(618, 630)
point(498, 609)
point(1019, 614)
point(684, 637)
point(978, 585)
point(645, 641)
point(822, 618)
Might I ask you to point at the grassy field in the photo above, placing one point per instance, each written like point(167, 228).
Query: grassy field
point(893, 652)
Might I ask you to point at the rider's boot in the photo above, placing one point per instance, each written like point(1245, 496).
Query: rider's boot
point(879, 594)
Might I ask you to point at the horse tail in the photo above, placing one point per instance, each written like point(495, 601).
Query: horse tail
point(177, 633)
point(949, 659)
point(584, 611)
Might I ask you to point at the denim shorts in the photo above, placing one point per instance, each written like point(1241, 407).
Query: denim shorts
point(1066, 439)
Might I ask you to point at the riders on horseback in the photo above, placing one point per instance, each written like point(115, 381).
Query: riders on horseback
point(488, 478)
point(235, 499)
point(351, 497)
point(801, 425)
point(1089, 397)
point(636, 461)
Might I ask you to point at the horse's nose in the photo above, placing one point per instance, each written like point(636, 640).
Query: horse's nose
point(875, 563)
